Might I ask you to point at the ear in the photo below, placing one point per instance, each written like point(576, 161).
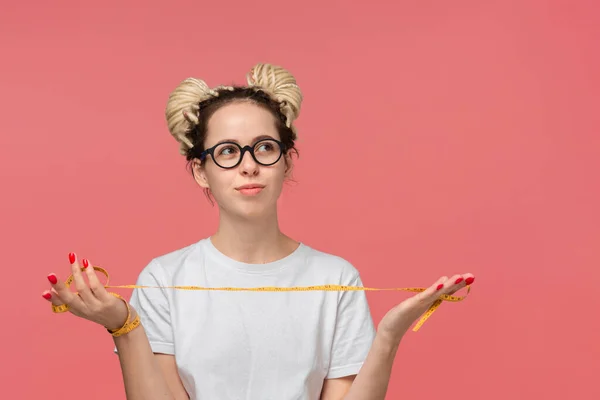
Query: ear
point(199, 174)
point(289, 165)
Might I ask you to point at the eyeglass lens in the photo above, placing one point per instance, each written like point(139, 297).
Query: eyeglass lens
point(266, 152)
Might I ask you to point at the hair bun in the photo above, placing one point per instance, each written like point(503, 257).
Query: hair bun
point(182, 109)
point(281, 85)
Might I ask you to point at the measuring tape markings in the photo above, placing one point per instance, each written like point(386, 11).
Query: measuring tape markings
point(329, 288)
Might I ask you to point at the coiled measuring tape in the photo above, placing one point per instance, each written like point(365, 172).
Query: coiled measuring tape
point(328, 288)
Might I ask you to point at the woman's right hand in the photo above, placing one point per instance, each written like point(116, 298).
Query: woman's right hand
point(92, 301)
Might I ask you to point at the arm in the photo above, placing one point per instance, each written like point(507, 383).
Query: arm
point(373, 378)
point(336, 389)
point(371, 383)
point(352, 339)
point(145, 375)
point(169, 370)
point(147, 353)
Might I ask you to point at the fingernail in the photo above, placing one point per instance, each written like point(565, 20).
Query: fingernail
point(85, 263)
point(72, 258)
point(459, 280)
point(52, 279)
point(47, 295)
point(468, 281)
point(441, 285)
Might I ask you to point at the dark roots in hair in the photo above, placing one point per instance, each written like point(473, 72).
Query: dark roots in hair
point(197, 135)
point(207, 108)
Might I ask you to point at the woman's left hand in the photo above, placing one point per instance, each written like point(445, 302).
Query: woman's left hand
point(398, 320)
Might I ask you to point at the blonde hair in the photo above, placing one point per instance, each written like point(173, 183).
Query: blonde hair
point(183, 106)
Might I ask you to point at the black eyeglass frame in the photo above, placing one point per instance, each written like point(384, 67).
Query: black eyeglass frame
point(243, 150)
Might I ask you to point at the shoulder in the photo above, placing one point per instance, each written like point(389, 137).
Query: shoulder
point(163, 267)
point(331, 264)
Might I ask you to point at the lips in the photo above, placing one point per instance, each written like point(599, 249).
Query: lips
point(250, 186)
point(250, 189)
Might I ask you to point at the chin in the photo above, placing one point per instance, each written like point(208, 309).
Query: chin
point(256, 206)
point(253, 211)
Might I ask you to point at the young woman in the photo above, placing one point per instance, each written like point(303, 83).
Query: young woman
point(221, 345)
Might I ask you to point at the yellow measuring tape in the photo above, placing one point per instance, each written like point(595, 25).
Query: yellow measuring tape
point(328, 288)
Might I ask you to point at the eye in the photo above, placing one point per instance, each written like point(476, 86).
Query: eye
point(227, 150)
point(263, 147)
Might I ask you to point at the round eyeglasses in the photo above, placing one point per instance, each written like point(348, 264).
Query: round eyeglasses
point(230, 154)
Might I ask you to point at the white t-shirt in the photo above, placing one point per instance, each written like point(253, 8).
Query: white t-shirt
point(255, 345)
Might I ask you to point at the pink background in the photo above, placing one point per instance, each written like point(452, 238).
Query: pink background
point(464, 135)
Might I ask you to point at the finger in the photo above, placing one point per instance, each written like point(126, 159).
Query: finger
point(434, 289)
point(80, 284)
point(453, 284)
point(458, 282)
point(52, 297)
point(62, 295)
point(96, 286)
point(47, 294)
point(469, 279)
point(439, 285)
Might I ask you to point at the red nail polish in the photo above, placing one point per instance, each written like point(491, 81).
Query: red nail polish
point(459, 280)
point(85, 262)
point(47, 295)
point(468, 281)
point(441, 285)
point(72, 258)
point(52, 279)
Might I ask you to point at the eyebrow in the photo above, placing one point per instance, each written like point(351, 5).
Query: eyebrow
point(256, 139)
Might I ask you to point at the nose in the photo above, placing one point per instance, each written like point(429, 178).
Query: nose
point(248, 166)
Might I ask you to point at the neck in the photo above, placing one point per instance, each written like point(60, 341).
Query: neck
point(253, 241)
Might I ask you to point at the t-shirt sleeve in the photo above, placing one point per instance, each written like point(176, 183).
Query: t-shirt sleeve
point(152, 305)
point(354, 333)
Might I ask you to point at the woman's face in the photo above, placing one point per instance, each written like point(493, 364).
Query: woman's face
point(249, 189)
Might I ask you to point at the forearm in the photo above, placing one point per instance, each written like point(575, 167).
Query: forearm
point(142, 375)
point(372, 381)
